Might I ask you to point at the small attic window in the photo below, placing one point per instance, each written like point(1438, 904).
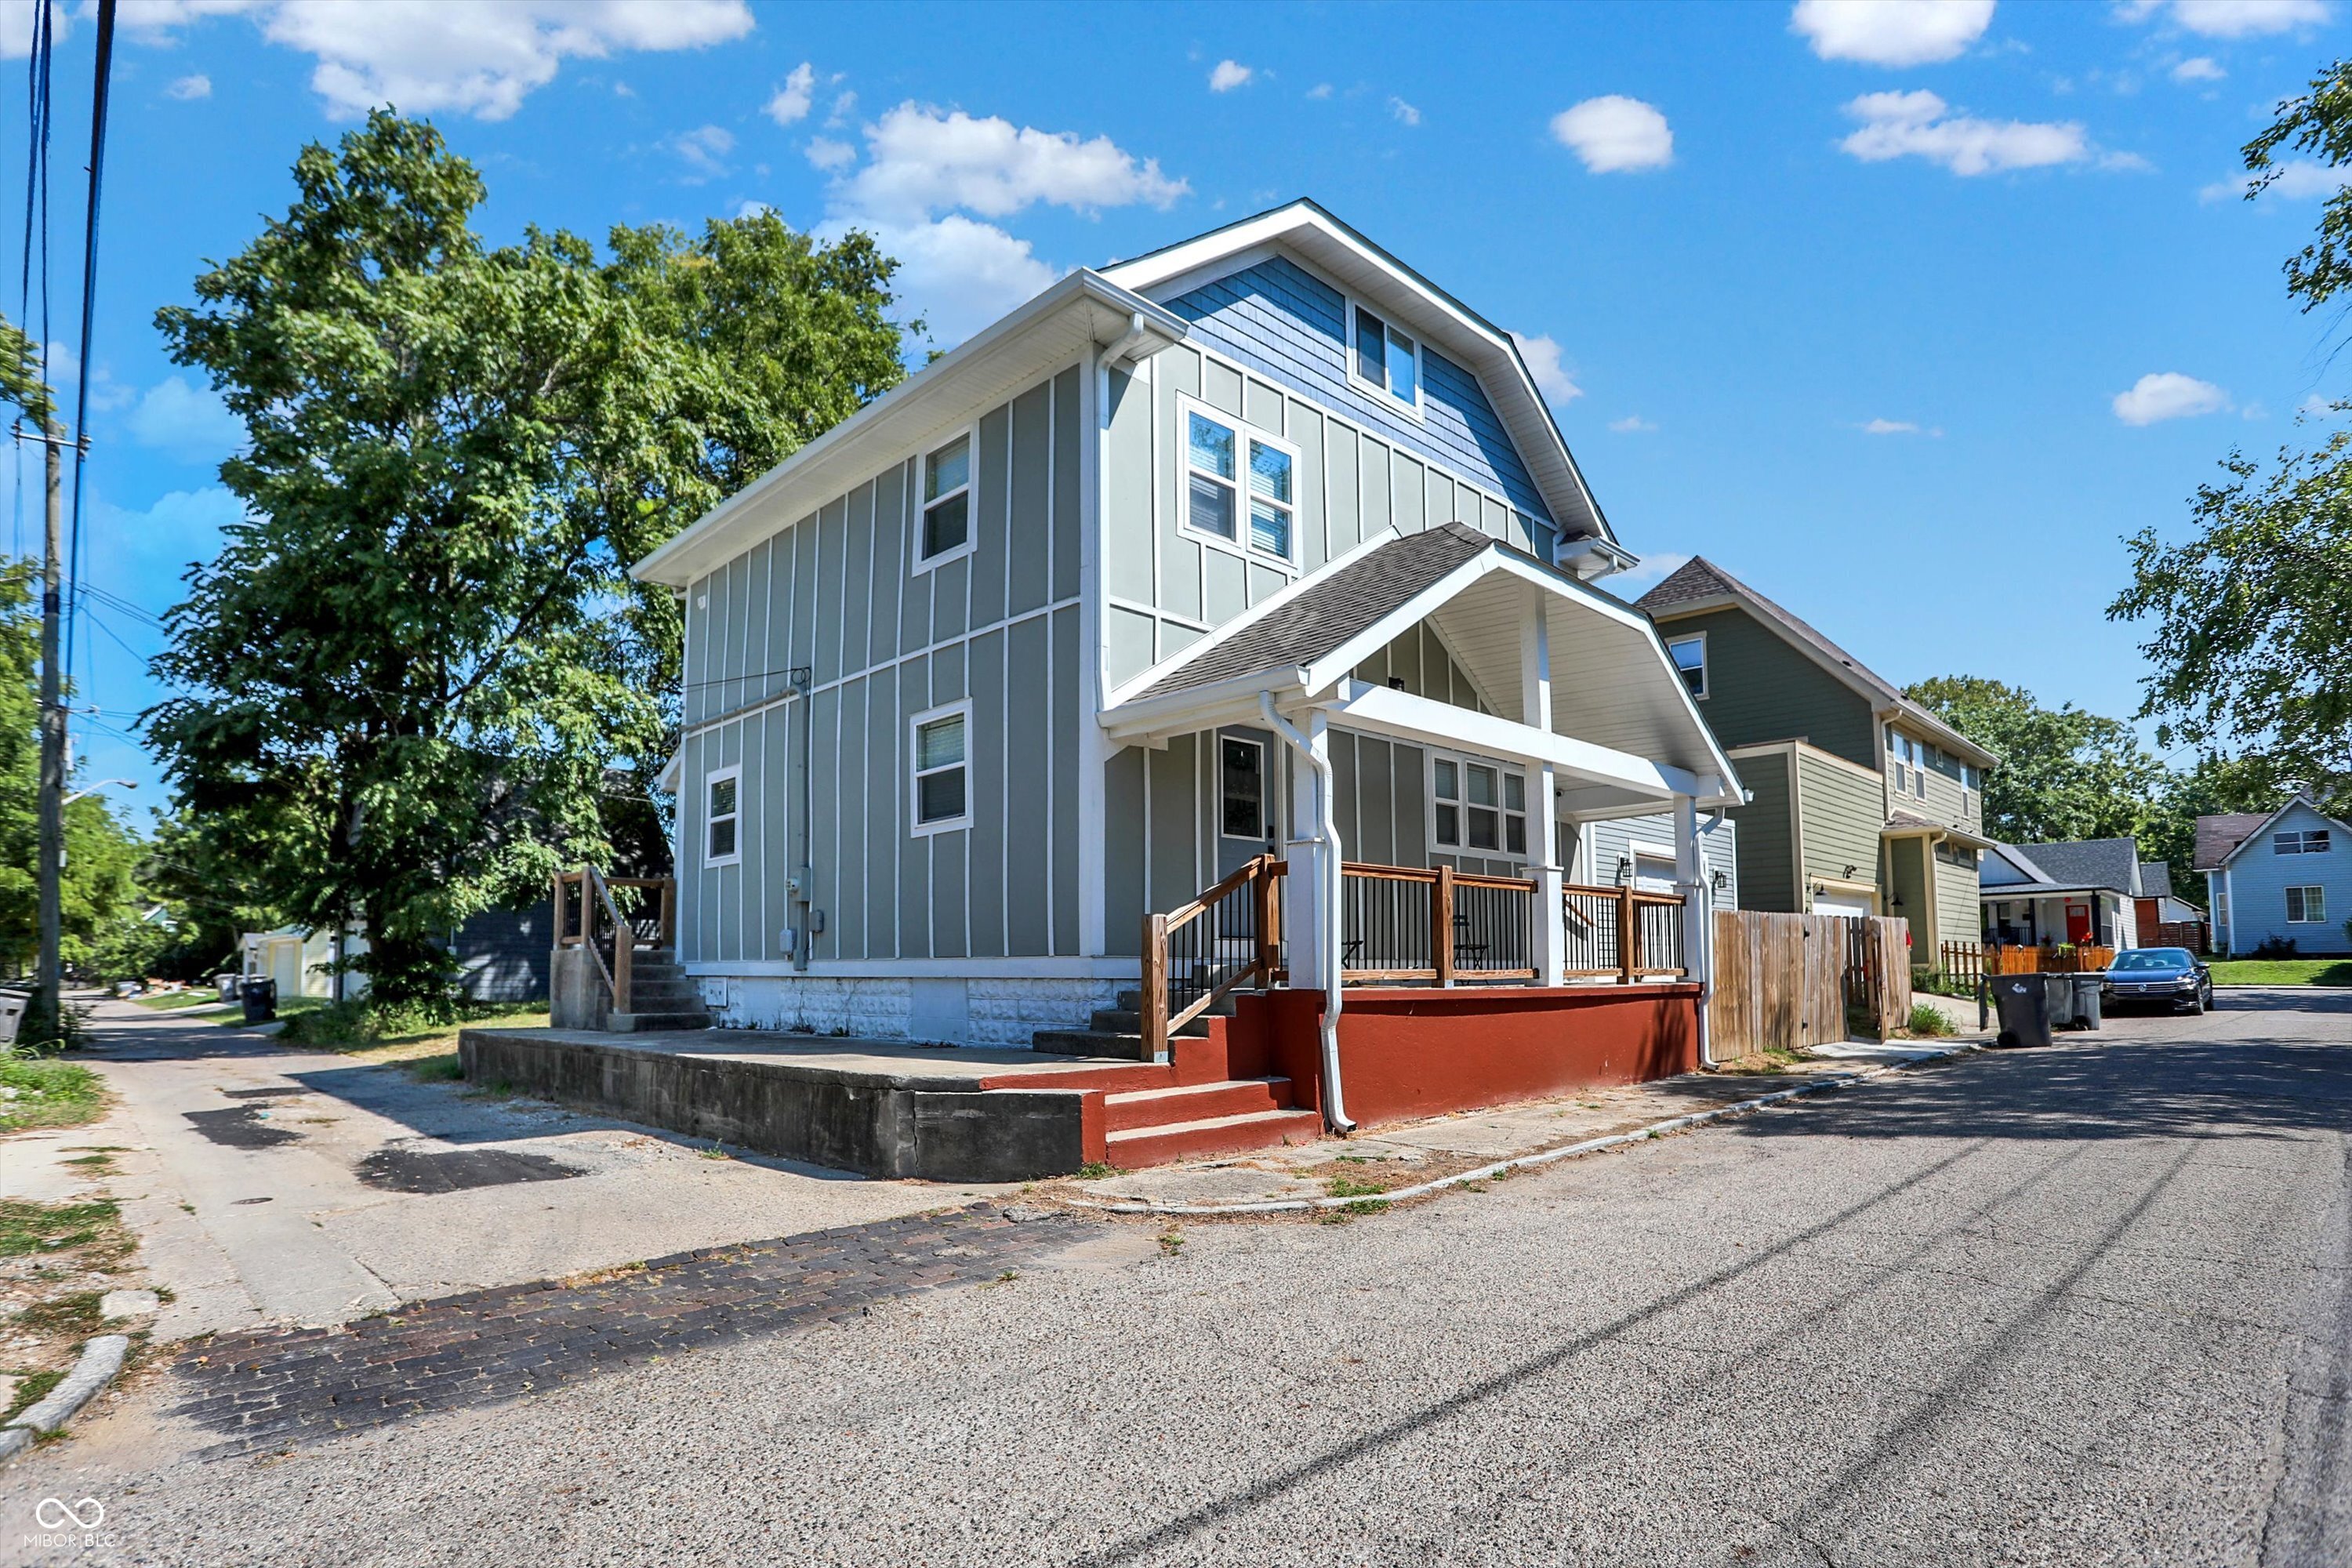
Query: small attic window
point(1384, 359)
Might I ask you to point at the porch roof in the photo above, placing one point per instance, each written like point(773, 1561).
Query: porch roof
point(1623, 727)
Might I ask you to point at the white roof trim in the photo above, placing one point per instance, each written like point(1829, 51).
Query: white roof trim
point(990, 364)
point(1485, 348)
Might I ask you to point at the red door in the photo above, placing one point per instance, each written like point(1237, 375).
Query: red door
point(2078, 923)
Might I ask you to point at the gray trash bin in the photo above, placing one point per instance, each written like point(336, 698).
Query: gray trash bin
point(2086, 1000)
point(2023, 1000)
point(260, 997)
point(2062, 1000)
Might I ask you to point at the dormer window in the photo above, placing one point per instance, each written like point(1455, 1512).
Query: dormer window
point(1385, 359)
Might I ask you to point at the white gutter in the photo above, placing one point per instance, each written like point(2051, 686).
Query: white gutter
point(1335, 1105)
point(1139, 332)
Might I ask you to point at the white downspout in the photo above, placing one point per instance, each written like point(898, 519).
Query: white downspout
point(1707, 946)
point(1137, 334)
point(1335, 1104)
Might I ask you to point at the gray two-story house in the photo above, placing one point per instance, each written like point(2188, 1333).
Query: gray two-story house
point(1261, 547)
point(1864, 803)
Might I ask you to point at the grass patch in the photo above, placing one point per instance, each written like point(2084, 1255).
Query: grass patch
point(442, 1069)
point(1097, 1169)
point(32, 1387)
point(2282, 970)
point(1349, 1187)
point(1764, 1063)
point(1927, 1022)
point(75, 1314)
point(50, 1093)
point(355, 1029)
point(179, 1001)
point(28, 1227)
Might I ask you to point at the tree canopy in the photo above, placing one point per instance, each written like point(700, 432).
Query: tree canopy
point(2063, 774)
point(418, 665)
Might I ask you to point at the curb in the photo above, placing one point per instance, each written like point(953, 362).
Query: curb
point(1528, 1162)
point(100, 1359)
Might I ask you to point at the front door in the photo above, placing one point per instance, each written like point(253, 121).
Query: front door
point(1248, 800)
point(2078, 923)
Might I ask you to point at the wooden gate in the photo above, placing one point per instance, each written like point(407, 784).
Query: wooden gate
point(1786, 981)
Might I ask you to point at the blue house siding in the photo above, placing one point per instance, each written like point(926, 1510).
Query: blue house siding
point(1290, 326)
point(2260, 877)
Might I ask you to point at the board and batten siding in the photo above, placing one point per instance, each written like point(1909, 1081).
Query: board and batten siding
point(1166, 586)
point(1768, 854)
point(835, 594)
point(1607, 842)
point(1843, 812)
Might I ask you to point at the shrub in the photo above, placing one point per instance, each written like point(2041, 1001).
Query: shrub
point(1928, 1020)
point(2275, 947)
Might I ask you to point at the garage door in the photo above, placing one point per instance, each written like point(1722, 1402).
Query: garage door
point(1841, 904)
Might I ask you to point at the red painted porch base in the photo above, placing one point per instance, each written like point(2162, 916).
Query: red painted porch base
point(1407, 1052)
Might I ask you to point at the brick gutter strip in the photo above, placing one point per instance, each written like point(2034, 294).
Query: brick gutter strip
point(1528, 1162)
point(100, 1359)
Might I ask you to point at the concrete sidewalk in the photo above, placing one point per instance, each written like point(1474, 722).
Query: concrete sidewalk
point(1408, 1154)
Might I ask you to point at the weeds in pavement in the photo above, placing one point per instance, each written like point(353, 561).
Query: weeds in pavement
point(72, 1314)
point(1349, 1187)
point(716, 1152)
point(31, 1227)
point(1927, 1021)
point(32, 1387)
point(47, 1093)
point(1097, 1169)
point(1171, 1242)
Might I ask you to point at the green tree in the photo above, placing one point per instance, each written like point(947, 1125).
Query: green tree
point(414, 669)
point(2063, 774)
point(2249, 645)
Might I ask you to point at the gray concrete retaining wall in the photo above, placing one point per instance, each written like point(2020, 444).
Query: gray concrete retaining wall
point(938, 1127)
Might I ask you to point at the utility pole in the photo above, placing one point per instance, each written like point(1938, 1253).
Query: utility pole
point(49, 985)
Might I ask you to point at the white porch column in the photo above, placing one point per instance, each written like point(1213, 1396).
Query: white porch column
point(1690, 873)
point(1306, 893)
point(1543, 809)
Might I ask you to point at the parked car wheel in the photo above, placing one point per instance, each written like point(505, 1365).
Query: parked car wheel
point(2197, 1005)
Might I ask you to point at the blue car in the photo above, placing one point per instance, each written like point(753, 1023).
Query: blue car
point(2171, 975)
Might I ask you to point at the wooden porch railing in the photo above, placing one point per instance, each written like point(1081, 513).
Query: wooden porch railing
point(596, 920)
point(1196, 955)
point(1402, 922)
point(1597, 922)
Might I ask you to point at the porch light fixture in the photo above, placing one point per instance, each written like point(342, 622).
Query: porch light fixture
point(1722, 882)
point(1396, 683)
point(1624, 869)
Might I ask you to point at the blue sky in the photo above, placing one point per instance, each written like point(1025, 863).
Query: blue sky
point(1903, 314)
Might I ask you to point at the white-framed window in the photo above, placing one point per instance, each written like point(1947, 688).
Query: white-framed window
point(1476, 807)
point(1241, 486)
point(2310, 842)
point(1910, 764)
point(722, 816)
point(943, 522)
point(1689, 654)
point(1382, 359)
point(1240, 788)
point(940, 787)
point(2306, 906)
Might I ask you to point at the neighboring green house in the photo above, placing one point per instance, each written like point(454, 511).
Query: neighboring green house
point(1861, 800)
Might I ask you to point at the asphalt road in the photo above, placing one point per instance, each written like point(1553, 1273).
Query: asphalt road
point(2089, 1305)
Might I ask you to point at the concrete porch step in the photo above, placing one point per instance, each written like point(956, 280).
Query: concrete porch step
point(1127, 1021)
point(1131, 1001)
point(1143, 1146)
point(1137, 1110)
point(1126, 1048)
point(640, 1023)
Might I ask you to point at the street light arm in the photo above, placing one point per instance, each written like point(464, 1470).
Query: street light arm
point(126, 783)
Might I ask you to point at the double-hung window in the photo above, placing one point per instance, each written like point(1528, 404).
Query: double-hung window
point(1689, 654)
point(1478, 808)
point(1231, 476)
point(945, 527)
point(942, 753)
point(723, 841)
point(2313, 842)
point(2306, 906)
point(1385, 359)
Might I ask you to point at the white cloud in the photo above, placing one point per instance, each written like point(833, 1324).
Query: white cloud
point(190, 422)
point(843, 105)
point(1321, 89)
point(144, 548)
point(1652, 571)
point(2169, 395)
point(1891, 427)
point(1891, 32)
point(2298, 179)
point(1615, 133)
point(1229, 75)
point(1406, 113)
point(703, 150)
point(920, 165)
point(2233, 18)
point(480, 58)
point(829, 155)
point(16, 28)
point(1921, 125)
point(1552, 378)
point(1632, 425)
point(920, 160)
point(791, 104)
point(2199, 68)
point(190, 87)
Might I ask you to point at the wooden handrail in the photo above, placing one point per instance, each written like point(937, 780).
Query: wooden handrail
point(601, 910)
point(1259, 874)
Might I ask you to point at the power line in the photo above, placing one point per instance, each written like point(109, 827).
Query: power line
point(104, 71)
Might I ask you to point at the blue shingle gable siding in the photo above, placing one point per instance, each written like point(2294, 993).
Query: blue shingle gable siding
point(1282, 322)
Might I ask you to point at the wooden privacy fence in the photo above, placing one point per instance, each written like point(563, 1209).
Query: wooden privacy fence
point(2079, 960)
point(1962, 960)
point(1786, 981)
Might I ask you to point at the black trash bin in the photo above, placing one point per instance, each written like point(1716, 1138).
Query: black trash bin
point(2023, 1000)
point(260, 998)
point(2086, 1000)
